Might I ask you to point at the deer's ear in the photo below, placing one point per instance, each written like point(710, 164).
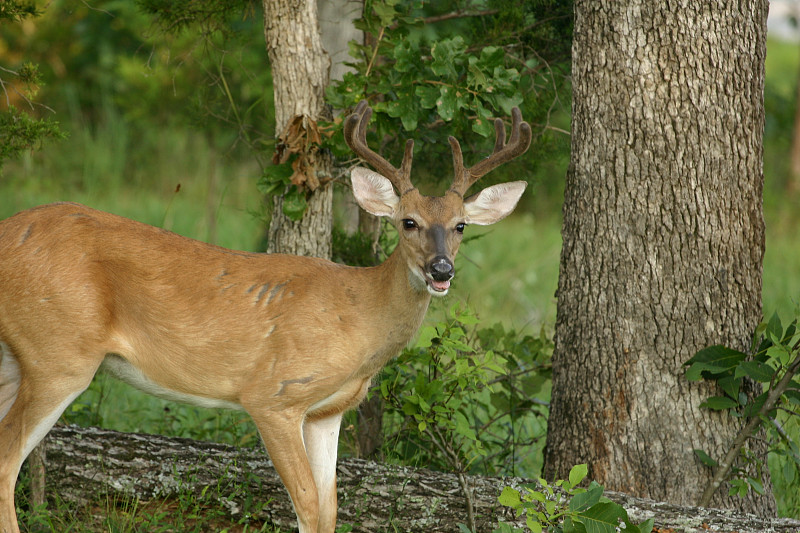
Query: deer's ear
point(373, 192)
point(493, 203)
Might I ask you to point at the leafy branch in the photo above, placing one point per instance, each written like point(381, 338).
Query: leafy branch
point(774, 365)
point(18, 130)
point(564, 506)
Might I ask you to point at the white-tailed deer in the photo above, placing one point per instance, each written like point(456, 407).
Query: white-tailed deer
point(293, 341)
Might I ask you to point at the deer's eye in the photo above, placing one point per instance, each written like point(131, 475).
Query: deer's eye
point(409, 224)
point(460, 227)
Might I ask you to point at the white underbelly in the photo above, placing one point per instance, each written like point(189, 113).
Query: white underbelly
point(125, 371)
point(9, 379)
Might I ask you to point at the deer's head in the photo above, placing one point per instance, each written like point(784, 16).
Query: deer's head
point(431, 227)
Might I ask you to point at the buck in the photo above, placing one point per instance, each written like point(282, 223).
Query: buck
point(293, 341)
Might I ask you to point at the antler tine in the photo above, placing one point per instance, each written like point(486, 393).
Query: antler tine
point(517, 145)
point(355, 134)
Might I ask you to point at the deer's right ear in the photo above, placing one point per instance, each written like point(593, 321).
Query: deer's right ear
point(374, 192)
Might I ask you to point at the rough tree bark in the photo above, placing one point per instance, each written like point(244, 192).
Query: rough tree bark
point(663, 239)
point(300, 74)
point(86, 464)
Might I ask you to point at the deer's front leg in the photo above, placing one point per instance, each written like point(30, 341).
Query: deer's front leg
point(282, 433)
point(321, 438)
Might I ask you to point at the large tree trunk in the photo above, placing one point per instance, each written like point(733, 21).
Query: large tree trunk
point(300, 75)
point(663, 239)
point(85, 465)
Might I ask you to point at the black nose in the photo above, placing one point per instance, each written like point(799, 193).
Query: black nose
point(441, 269)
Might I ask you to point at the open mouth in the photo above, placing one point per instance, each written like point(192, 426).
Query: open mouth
point(437, 288)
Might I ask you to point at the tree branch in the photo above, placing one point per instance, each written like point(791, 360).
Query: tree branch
point(746, 432)
point(87, 464)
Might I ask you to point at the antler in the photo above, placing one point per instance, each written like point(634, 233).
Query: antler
point(517, 145)
point(355, 134)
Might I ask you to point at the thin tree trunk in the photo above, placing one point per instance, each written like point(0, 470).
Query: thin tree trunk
point(369, 437)
point(663, 240)
point(793, 186)
point(300, 75)
point(338, 29)
point(37, 461)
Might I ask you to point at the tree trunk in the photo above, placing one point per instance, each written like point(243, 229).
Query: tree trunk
point(300, 75)
point(85, 465)
point(663, 240)
point(336, 19)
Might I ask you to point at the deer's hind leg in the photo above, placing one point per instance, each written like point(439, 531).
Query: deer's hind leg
point(30, 403)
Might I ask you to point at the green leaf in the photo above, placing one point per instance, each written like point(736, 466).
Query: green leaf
point(756, 485)
point(505, 102)
point(406, 56)
point(774, 328)
point(504, 527)
point(577, 474)
point(385, 12)
point(426, 336)
point(705, 458)
point(755, 370)
point(644, 527)
point(464, 529)
point(477, 78)
point(755, 406)
point(603, 517)
point(428, 96)
point(535, 495)
point(274, 179)
point(462, 426)
point(404, 108)
point(573, 526)
point(446, 105)
point(491, 58)
point(779, 353)
point(446, 54)
point(719, 403)
point(738, 487)
point(792, 396)
point(714, 360)
point(533, 524)
point(730, 385)
point(585, 500)
point(789, 471)
point(510, 498)
point(294, 204)
point(482, 124)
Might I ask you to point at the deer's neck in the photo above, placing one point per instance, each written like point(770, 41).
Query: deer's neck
point(400, 304)
point(402, 287)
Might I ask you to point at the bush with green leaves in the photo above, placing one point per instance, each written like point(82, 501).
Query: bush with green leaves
point(775, 406)
point(564, 507)
point(466, 398)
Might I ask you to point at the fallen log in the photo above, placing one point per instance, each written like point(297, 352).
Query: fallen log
point(84, 464)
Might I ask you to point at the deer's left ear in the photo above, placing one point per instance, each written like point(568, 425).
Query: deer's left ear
point(374, 192)
point(493, 203)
